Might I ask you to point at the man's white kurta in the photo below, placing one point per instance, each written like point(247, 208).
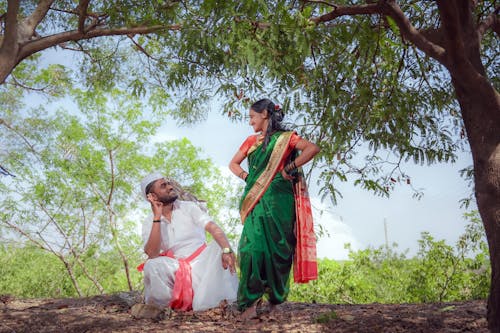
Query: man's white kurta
point(183, 235)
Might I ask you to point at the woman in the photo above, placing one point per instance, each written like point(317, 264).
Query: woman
point(274, 196)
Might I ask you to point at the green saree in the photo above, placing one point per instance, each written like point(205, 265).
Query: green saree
point(267, 243)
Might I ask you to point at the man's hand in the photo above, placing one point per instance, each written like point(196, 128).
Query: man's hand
point(156, 205)
point(229, 261)
point(152, 247)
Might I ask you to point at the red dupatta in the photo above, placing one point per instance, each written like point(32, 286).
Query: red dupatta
point(305, 264)
point(304, 261)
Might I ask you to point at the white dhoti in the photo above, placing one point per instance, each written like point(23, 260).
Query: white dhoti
point(211, 283)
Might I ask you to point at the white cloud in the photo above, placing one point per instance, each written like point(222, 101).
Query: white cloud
point(336, 232)
point(163, 137)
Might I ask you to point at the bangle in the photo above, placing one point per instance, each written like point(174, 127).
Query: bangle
point(242, 173)
point(156, 221)
point(290, 167)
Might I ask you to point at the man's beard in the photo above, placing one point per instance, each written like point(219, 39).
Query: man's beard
point(168, 199)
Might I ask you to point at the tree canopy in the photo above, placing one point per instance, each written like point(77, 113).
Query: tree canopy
point(351, 82)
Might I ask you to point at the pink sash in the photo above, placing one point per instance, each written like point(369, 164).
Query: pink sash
point(182, 295)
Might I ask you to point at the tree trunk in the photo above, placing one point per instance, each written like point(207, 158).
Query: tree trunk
point(9, 45)
point(480, 105)
point(71, 274)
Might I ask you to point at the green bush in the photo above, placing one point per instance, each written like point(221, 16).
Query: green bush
point(438, 273)
point(31, 272)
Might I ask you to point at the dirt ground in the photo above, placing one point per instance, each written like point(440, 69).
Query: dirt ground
point(112, 313)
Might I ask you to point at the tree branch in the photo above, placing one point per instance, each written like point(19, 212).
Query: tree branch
point(82, 14)
point(412, 34)
point(9, 44)
point(38, 14)
point(140, 48)
point(66, 11)
point(450, 23)
point(391, 9)
point(19, 84)
point(5, 172)
point(461, 41)
point(433, 35)
point(322, 2)
point(28, 236)
point(71, 248)
point(77, 13)
point(23, 138)
point(112, 185)
point(338, 11)
point(75, 35)
point(491, 21)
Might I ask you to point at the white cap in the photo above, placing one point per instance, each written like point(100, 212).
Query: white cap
point(148, 180)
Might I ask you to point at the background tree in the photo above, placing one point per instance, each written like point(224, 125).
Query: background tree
point(75, 193)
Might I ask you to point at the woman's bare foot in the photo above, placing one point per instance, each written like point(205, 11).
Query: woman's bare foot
point(251, 311)
point(270, 313)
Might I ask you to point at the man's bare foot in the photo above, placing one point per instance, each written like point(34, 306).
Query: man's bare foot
point(149, 311)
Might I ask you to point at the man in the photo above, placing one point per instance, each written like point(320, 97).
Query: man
point(182, 272)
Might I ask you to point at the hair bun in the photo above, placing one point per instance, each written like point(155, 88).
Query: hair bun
point(278, 113)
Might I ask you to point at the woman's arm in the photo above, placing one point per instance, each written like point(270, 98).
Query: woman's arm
point(308, 151)
point(235, 166)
